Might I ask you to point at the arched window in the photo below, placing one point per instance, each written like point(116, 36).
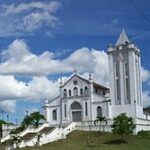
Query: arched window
point(86, 91)
point(69, 92)
point(81, 91)
point(55, 114)
point(99, 111)
point(104, 92)
point(75, 105)
point(65, 93)
point(75, 91)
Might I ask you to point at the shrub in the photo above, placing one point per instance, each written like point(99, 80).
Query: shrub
point(123, 125)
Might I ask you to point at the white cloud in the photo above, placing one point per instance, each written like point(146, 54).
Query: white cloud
point(42, 88)
point(146, 98)
point(8, 106)
point(28, 18)
point(22, 7)
point(100, 73)
point(10, 88)
point(17, 50)
point(145, 75)
point(38, 88)
point(18, 59)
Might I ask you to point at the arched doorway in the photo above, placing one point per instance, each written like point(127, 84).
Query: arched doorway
point(76, 110)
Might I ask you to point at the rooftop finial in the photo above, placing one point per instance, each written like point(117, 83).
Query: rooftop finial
point(61, 82)
point(123, 39)
point(75, 71)
point(90, 76)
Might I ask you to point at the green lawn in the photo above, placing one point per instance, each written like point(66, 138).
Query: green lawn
point(78, 141)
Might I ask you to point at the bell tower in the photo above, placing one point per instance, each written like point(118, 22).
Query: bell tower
point(125, 78)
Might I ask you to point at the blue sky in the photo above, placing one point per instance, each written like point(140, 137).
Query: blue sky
point(42, 40)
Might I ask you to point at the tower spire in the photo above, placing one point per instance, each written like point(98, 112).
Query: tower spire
point(123, 38)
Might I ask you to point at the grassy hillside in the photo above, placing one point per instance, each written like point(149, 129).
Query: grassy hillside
point(78, 141)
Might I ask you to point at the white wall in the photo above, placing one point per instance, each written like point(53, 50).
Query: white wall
point(54, 105)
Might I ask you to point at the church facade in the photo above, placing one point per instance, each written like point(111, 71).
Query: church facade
point(82, 100)
point(79, 100)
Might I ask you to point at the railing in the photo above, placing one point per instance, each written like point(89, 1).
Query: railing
point(29, 129)
point(77, 96)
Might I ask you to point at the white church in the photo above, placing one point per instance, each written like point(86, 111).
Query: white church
point(82, 100)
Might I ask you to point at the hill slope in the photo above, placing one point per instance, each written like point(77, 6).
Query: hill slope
point(77, 140)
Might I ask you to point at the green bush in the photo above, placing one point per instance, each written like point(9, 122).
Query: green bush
point(123, 125)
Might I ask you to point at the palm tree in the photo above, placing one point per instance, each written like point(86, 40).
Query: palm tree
point(36, 117)
point(33, 119)
point(100, 120)
point(27, 121)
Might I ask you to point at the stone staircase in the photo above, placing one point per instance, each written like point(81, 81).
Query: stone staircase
point(47, 134)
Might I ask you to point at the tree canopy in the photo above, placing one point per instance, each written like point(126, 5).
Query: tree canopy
point(33, 119)
point(123, 125)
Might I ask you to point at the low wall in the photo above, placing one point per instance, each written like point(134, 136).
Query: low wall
point(141, 124)
point(89, 126)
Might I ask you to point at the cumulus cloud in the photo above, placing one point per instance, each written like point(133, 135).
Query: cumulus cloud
point(18, 59)
point(36, 89)
point(28, 18)
point(146, 98)
point(145, 75)
point(146, 81)
point(8, 106)
point(22, 7)
point(10, 88)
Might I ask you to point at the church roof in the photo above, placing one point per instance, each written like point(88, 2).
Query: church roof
point(87, 81)
point(100, 86)
point(123, 38)
point(50, 101)
point(75, 75)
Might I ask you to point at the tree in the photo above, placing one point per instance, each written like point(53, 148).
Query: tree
point(36, 117)
point(15, 140)
point(33, 119)
point(2, 122)
point(18, 130)
point(27, 121)
point(100, 121)
point(123, 125)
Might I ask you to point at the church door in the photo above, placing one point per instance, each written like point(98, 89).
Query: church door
point(76, 112)
point(76, 116)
